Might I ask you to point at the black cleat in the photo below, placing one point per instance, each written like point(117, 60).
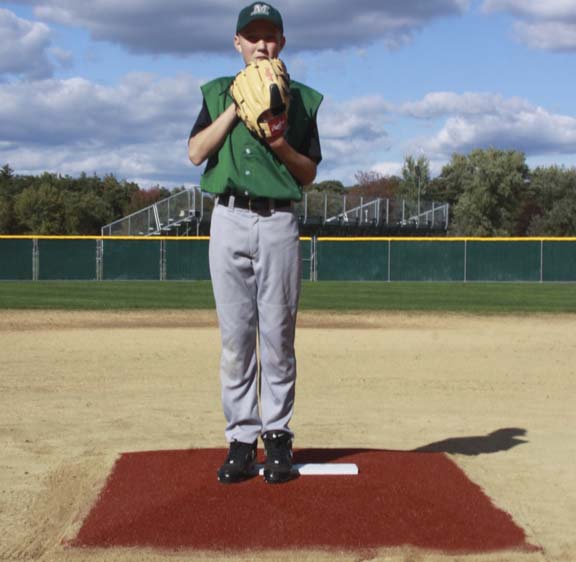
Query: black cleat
point(278, 467)
point(239, 464)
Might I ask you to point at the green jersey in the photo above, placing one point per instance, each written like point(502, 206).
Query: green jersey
point(245, 164)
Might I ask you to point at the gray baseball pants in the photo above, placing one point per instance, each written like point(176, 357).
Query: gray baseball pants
point(256, 273)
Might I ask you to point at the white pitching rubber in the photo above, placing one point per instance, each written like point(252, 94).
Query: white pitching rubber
point(325, 469)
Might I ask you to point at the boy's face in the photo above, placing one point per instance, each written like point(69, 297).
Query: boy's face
point(260, 39)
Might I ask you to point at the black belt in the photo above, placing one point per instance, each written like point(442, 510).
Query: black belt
point(253, 203)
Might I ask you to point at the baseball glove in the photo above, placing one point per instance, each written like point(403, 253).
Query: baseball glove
point(261, 92)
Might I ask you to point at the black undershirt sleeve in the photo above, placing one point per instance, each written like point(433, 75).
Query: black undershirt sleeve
point(312, 146)
point(203, 120)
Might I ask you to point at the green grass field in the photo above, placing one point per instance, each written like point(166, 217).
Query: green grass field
point(479, 298)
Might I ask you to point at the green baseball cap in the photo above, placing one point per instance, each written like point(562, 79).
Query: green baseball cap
point(259, 11)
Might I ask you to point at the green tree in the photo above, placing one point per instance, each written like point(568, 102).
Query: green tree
point(117, 194)
point(553, 191)
point(86, 213)
point(6, 215)
point(6, 203)
point(55, 204)
point(332, 186)
point(448, 187)
point(40, 210)
point(493, 189)
point(415, 178)
point(6, 173)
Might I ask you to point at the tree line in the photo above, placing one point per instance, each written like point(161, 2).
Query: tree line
point(491, 193)
point(56, 204)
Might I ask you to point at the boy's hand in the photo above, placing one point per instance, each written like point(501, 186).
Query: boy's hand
point(275, 123)
point(261, 93)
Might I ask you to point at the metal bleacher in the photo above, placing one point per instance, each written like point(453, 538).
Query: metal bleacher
point(188, 213)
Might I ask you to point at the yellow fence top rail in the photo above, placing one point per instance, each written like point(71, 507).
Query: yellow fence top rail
point(306, 238)
point(74, 237)
point(445, 239)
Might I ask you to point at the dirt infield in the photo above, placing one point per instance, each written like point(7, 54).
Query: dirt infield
point(497, 394)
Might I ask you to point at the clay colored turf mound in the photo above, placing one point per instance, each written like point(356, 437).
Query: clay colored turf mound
point(171, 499)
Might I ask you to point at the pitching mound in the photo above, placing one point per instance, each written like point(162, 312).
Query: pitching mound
point(172, 500)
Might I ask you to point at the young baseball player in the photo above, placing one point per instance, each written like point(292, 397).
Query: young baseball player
point(254, 249)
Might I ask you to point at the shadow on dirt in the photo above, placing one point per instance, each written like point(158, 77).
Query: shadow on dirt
point(495, 442)
point(499, 440)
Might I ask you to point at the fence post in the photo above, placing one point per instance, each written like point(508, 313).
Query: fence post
point(541, 261)
point(389, 260)
point(465, 261)
point(35, 260)
point(99, 259)
point(162, 260)
point(313, 262)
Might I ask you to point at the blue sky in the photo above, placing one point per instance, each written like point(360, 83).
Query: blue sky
point(108, 87)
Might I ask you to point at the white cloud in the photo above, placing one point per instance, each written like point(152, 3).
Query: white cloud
point(75, 111)
point(137, 128)
point(183, 27)
point(351, 132)
point(437, 104)
point(23, 47)
point(388, 168)
point(550, 9)
point(549, 25)
point(65, 59)
point(148, 164)
point(483, 120)
point(361, 117)
point(553, 36)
